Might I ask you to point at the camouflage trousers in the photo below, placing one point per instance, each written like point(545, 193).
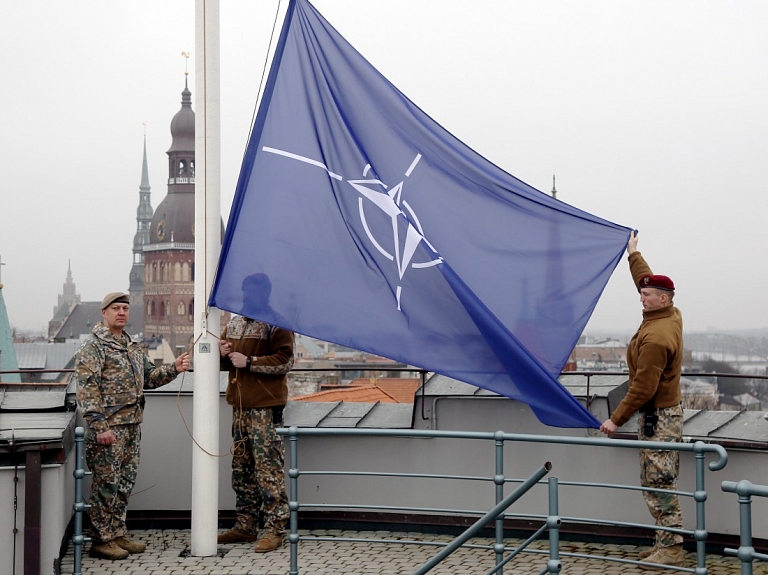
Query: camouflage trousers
point(659, 470)
point(114, 468)
point(258, 474)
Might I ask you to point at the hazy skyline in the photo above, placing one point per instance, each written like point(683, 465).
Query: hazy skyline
point(651, 114)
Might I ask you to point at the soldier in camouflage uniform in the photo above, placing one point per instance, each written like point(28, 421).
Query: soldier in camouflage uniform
point(655, 359)
point(258, 357)
point(112, 372)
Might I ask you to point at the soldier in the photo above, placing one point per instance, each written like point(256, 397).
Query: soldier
point(655, 358)
point(112, 372)
point(258, 357)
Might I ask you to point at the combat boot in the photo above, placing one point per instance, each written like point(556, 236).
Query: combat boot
point(235, 535)
point(108, 550)
point(672, 555)
point(269, 542)
point(132, 547)
point(648, 552)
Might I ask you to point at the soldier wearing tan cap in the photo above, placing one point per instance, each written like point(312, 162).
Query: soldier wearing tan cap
point(112, 372)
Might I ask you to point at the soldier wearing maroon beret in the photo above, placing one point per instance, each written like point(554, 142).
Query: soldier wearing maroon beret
point(655, 358)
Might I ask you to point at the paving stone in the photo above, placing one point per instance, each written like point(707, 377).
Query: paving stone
point(168, 554)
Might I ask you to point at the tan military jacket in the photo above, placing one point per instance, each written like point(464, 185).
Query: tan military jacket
point(654, 356)
point(270, 348)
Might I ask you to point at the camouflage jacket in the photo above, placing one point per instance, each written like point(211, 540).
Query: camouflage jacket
point(111, 376)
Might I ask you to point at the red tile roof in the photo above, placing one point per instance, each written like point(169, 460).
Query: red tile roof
point(369, 390)
point(359, 394)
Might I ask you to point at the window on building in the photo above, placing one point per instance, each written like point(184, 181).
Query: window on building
point(181, 309)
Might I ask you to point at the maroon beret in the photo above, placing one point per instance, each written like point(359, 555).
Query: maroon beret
point(656, 281)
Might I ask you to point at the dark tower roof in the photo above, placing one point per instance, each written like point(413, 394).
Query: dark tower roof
point(174, 219)
point(183, 125)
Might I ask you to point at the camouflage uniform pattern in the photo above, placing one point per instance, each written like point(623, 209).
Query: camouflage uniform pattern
point(659, 470)
point(114, 469)
point(258, 475)
point(112, 373)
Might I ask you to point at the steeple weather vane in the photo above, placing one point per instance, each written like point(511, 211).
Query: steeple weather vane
point(186, 62)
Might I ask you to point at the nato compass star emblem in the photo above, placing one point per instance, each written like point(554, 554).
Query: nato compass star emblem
point(375, 194)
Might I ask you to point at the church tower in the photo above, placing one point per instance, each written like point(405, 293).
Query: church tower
point(169, 254)
point(140, 239)
point(67, 301)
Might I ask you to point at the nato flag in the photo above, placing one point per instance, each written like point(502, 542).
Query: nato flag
point(359, 220)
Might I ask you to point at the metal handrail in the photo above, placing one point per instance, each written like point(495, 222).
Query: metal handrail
point(699, 449)
point(746, 553)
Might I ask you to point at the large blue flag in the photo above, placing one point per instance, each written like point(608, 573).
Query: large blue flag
point(359, 220)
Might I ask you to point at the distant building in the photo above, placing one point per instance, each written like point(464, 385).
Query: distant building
point(8, 360)
point(698, 394)
point(600, 355)
point(34, 358)
point(169, 254)
point(72, 317)
point(307, 348)
point(79, 321)
point(608, 354)
point(68, 299)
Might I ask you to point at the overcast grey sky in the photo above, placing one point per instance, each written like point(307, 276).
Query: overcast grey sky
point(651, 114)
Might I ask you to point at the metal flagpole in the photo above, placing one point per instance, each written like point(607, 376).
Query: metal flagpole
point(205, 465)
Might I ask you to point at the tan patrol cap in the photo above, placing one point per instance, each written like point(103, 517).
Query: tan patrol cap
point(115, 296)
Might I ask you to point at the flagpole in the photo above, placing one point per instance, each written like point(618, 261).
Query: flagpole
point(205, 465)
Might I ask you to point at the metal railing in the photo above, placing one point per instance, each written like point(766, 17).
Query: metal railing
point(746, 553)
point(80, 506)
point(550, 520)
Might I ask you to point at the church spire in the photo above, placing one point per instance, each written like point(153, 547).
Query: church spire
point(144, 186)
point(144, 215)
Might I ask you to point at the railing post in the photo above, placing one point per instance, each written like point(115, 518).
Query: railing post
point(700, 496)
point(498, 480)
point(293, 499)
point(78, 539)
point(553, 523)
point(745, 552)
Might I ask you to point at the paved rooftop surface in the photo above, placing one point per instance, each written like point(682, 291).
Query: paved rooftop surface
point(168, 554)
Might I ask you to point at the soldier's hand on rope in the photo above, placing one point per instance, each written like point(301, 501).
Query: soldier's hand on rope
point(182, 362)
point(238, 359)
